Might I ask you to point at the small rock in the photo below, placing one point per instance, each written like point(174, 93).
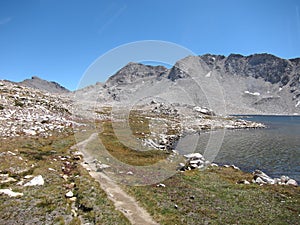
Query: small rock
point(11, 153)
point(78, 153)
point(201, 167)
point(176, 206)
point(263, 177)
point(69, 194)
point(10, 193)
point(69, 186)
point(197, 161)
point(38, 180)
point(243, 182)
point(292, 182)
point(277, 181)
point(73, 199)
point(180, 165)
point(194, 156)
point(161, 185)
point(235, 167)
point(194, 165)
point(214, 165)
point(259, 181)
point(51, 169)
point(284, 179)
point(20, 183)
point(4, 175)
point(129, 173)
point(65, 177)
point(74, 213)
point(101, 167)
point(7, 180)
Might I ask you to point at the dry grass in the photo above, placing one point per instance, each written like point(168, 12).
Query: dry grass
point(213, 197)
point(124, 153)
point(206, 197)
point(47, 204)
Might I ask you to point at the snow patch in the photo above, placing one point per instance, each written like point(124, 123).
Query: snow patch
point(252, 93)
point(208, 74)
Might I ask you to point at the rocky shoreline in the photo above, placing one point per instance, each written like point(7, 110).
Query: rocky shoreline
point(197, 161)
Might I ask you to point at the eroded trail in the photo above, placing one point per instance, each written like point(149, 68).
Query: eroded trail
point(123, 202)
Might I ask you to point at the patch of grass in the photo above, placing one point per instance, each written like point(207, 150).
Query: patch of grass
point(213, 197)
point(139, 124)
point(46, 204)
point(124, 153)
point(19, 103)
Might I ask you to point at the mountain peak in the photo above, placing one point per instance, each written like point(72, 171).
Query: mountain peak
point(134, 71)
point(44, 85)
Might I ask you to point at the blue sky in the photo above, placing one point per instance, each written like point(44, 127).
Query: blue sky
point(59, 39)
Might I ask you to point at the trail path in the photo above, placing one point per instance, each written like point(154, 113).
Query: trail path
point(123, 202)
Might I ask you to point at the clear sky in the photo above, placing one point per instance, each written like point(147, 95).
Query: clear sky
point(57, 40)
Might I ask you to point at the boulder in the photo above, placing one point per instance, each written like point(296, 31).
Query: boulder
point(243, 182)
point(214, 165)
point(101, 166)
point(258, 180)
point(195, 155)
point(7, 180)
point(235, 167)
point(261, 177)
point(10, 193)
point(292, 182)
point(204, 110)
point(284, 179)
point(38, 180)
point(69, 194)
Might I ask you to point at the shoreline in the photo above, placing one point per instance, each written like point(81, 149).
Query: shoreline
point(275, 115)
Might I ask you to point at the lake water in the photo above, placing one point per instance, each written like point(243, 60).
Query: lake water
point(274, 150)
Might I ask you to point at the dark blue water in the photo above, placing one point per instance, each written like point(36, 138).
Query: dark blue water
point(274, 150)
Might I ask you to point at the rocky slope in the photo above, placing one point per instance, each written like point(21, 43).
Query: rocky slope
point(28, 111)
point(255, 84)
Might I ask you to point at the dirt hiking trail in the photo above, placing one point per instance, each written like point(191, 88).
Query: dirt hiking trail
point(122, 201)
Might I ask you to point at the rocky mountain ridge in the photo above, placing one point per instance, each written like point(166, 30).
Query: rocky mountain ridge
point(254, 84)
point(48, 86)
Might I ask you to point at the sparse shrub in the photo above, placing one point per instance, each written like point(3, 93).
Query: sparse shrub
point(18, 103)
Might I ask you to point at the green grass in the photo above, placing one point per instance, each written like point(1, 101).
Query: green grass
point(202, 197)
point(47, 203)
point(213, 197)
point(124, 153)
point(205, 197)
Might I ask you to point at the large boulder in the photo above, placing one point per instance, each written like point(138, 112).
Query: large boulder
point(38, 180)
